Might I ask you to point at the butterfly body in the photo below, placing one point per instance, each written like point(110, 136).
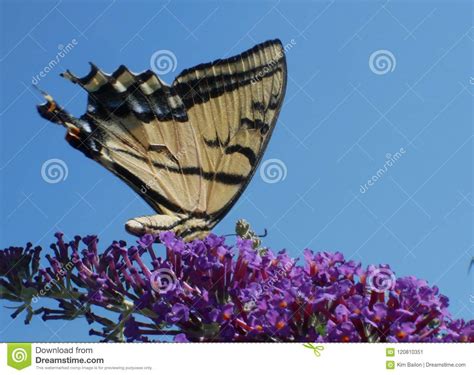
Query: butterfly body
point(189, 149)
point(188, 228)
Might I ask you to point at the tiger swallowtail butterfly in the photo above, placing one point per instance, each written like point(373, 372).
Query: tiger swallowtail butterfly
point(189, 149)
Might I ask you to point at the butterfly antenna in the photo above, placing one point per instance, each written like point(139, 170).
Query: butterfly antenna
point(36, 87)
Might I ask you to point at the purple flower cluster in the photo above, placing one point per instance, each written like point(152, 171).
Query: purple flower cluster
point(206, 290)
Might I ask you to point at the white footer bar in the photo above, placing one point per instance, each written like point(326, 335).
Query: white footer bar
point(235, 358)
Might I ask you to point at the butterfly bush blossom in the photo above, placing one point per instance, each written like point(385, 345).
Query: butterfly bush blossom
point(210, 291)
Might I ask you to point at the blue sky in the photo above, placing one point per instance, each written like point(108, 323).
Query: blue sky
point(341, 121)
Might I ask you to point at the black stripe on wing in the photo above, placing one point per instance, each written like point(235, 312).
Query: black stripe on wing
point(193, 93)
point(222, 177)
point(277, 65)
point(122, 94)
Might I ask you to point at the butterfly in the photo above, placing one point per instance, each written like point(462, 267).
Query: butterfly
point(189, 149)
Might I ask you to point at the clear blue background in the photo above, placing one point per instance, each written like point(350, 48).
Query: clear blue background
point(338, 123)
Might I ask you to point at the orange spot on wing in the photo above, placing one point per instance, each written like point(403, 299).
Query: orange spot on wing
point(52, 106)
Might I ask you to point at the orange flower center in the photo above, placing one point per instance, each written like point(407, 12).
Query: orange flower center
point(280, 324)
point(226, 316)
point(401, 334)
